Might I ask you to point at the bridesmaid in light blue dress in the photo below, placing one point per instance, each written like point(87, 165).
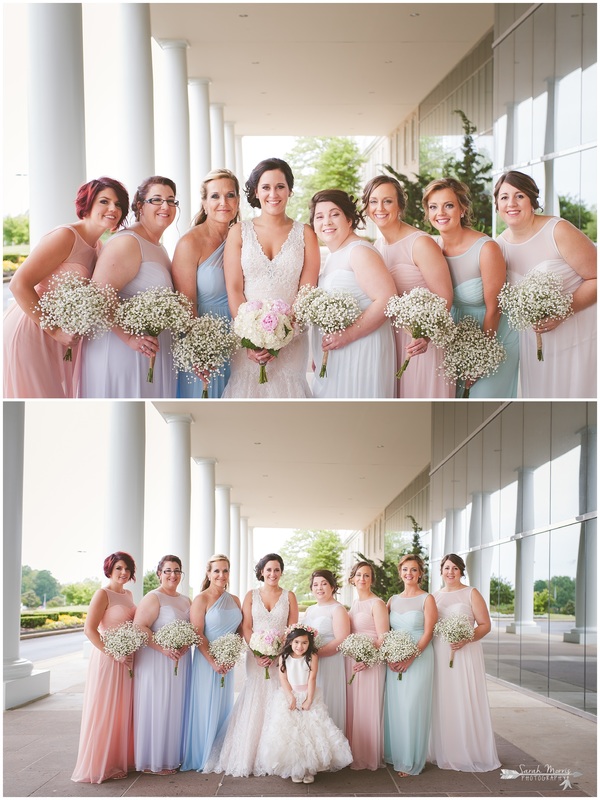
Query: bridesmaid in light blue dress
point(478, 272)
point(407, 708)
point(214, 612)
point(198, 265)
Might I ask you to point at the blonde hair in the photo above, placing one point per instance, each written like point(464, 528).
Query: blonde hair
point(212, 559)
point(215, 175)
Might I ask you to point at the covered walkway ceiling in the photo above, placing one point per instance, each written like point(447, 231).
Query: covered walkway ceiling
point(331, 465)
point(321, 69)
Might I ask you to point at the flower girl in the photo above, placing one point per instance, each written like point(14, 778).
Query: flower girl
point(300, 738)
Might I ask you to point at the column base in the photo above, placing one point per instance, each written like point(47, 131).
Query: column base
point(581, 636)
point(20, 691)
point(523, 627)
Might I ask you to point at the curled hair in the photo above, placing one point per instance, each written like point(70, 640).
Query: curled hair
point(120, 555)
point(216, 557)
point(267, 165)
point(462, 193)
point(164, 560)
point(347, 204)
point(329, 577)
point(287, 645)
point(380, 180)
point(456, 560)
point(412, 557)
point(357, 566)
point(524, 183)
point(263, 563)
point(87, 193)
point(215, 175)
point(141, 193)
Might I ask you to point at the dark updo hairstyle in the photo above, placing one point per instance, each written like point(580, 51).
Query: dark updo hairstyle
point(164, 560)
point(380, 180)
point(87, 193)
point(111, 560)
point(263, 563)
point(287, 651)
point(347, 204)
point(456, 560)
point(524, 183)
point(356, 567)
point(141, 193)
point(267, 165)
point(329, 577)
point(462, 193)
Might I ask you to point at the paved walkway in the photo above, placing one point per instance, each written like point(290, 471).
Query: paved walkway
point(40, 749)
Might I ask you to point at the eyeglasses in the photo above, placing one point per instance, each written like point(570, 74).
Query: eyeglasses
point(176, 572)
point(158, 201)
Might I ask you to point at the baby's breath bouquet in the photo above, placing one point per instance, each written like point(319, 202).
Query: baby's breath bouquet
point(175, 635)
point(361, 648)
point(453, 629)
point(226, 651)
point(470, 353)
point(266, 643)
point(205, 347)
point(77, 306)
point(538, 296)
point(124, 640)
point(423, 315)
point(398, 646)
point(264, 325)
point(153, 311)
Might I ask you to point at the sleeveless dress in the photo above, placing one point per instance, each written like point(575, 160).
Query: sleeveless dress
point(407, 717)
point(211, 299)
point(331, 675)
point(33, 361)
point(110, 367)
point(296, 743)
point(469, 301)
point(234, 751)
point(210, 703)
point(161, 698)
point(106, 737)
point(461, 737)
point(421, 378)
point(570, 351)
point(364, 697)
point(364, 368)
point(276, 279)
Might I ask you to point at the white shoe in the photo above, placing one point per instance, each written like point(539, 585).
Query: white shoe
point(308, 779)
point(297, 780)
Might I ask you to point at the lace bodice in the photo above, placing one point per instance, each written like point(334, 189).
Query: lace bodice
point(266, 279)
point(275, 619)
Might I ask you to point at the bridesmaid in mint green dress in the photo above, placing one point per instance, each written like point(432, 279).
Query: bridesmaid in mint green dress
point(198, 265)
point(407, 708)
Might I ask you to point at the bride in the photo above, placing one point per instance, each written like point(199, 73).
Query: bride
point(269, 258)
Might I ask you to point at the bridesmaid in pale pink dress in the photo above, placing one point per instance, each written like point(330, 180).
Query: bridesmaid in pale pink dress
point(33, 358)
point(106, 738)
point(364, 698)
point(413, 259)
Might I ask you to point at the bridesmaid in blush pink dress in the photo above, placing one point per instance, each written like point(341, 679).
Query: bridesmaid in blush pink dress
point(364, 697)
point(106, 738)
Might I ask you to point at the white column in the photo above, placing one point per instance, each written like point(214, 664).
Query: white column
point(56, 114)
point(525, 558)
point(125, 486)
point(202, 540)
point(234, 547)
point(222, 519)
point(243, 556)
point(21, 682)
point(239, 159)
point(230, 145)
point(251, 559)
point(217, 135)
point(180, 490)
point(200, 157)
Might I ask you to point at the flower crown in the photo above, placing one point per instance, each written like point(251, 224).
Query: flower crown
point(300, 626)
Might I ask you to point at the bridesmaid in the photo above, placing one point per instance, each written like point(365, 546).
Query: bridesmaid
point(161, 697)
point(331, 620)
point(462, 737)
point(214, 613)
point(478, 273)
point(198, 264)
point(106, 738)
point(364, 698)
point(33, 358)
point(413, 260)
point(407, 733)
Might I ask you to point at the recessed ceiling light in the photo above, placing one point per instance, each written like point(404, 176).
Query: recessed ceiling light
point(255, 62)
point(257, 442)
point(243, 16)
point(414, 14)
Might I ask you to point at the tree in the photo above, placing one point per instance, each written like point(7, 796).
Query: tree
point(306, 551)
point(15, 230)
point(46, 585)
point(387, 579)
point(501, 592)
point(540, 602)
point(560, 590)
point(80, 594)
point(150, 581)
point(413, 189)
point(30, 599)
point(574, 211)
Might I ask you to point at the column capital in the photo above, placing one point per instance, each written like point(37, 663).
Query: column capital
point(168, 417)
point(222, 486)
point(217, 105)
point(202, 461)
point(173, 44)
point(197, 81)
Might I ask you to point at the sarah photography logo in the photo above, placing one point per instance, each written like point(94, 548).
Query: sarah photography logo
point(539, 773)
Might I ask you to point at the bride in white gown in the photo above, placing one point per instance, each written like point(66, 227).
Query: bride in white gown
point(269, 258)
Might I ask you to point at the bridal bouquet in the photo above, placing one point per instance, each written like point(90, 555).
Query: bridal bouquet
point(153, 311)
point(264, 325)
point(423, 315)
point(266, 643)
point(175, 635)
point(453, 629)
point(226, 651)
point(205, 347)
point(331, 312)
point(78, 306)
point(360, 647)
point(398, 646)
point(124, 640)
point(538, 296)
point(470, 353)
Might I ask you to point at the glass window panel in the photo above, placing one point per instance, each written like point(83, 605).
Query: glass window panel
point(588, 78)
point(523, 90)
point(568, 75)
point(567, 187)
point(491, 474)
point(511, 463)
point(588, 192)
point(566, 469)
point(504, 58)
point(490, 643)
point(509, 661)
point(531, 610)
point(534, 499)
point(474, 485)
point(460, 500)
point(543, 80)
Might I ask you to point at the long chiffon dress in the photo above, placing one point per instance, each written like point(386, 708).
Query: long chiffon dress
point(106, 737)
point(234, 751)
point(331, 676)
point(364, 697)
point(462, 737)
point(272, 279)
point(407, 717)
point(33, 360)
point(469, 302)
point(421, 378)
point(570, 350)
point(211, 299)
point(161, 698)
point(364, 368)
point(110, 367)
point(210, 703)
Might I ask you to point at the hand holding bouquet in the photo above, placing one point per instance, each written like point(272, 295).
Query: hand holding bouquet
point(360, 647)
point(470, 353)
point(205, 347)
point(226, 651)
point(398, 646)
point(264, 325)
point(123, 641)
point(176, 635)
point(454, 629)
point(266, 644)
